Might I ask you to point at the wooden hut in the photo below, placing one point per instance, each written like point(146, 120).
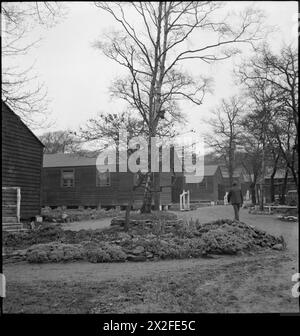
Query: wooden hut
point(22, 159)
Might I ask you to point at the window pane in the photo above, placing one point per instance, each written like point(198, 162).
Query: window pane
point(68, 178)
point(103, 179)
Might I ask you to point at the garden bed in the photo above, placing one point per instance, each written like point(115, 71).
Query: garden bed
point(64, 215)
point(149, 237)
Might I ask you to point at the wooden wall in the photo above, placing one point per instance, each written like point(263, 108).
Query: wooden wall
point(210, 189)
point(22, 156)
point(86, 193)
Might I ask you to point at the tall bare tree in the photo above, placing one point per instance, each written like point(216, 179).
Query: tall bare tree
point(278, 73)
point(225, 132)
point(152, 45)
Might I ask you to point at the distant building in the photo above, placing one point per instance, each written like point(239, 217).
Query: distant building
point(72, 180)
point(211, 188)
point(278, 184)
point(239, 177)
point(22, 159)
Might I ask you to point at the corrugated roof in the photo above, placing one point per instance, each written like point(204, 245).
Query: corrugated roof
point(237, 172)
point(209, 170)
point(67, 160)
point(280, 173)
point(75, 160)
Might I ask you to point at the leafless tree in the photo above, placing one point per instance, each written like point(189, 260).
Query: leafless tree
point(109, 126)
point(21, 89)
point(60, 142)
point(152, 46)
point(250, 159)
point(225, 132)
point(279, 74)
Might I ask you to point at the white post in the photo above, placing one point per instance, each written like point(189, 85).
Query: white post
point(225, 198)
point(18, 203)
point(188, 200)
point(183, 196)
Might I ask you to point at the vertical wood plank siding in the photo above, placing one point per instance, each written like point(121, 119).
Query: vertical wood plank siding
point(22, 156)
point(86, 193)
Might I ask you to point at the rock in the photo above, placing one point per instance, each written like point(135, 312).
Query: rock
point(149, 255)
point(138, 250)
point(278, 247)
point(117, 221)
point(131, 257)
point(124, 235)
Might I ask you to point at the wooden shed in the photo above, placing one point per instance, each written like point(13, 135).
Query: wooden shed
point(22, 160)
point(73, 180)
point(211, 188)
point(239, 177)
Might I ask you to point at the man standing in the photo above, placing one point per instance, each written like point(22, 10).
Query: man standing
point(235, 197)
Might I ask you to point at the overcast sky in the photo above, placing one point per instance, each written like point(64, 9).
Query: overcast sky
point(78, 76)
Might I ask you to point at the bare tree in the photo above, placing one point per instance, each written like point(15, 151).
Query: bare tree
point(109, 126)
point(21, 89)
point(250, 160)
point(279, 74)
point(60, 142)
point(225, 132)
point(153, 48)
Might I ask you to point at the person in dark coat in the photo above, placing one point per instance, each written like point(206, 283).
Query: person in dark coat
point(235, 197)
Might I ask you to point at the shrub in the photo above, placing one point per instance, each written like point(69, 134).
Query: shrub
point(97, 255)
point(54, 252)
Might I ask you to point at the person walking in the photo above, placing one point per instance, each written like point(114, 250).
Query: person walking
point(235, 197)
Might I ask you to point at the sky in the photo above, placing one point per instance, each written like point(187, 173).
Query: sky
point(78, 76)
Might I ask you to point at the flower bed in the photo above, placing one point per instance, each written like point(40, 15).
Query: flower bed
point(145, 240)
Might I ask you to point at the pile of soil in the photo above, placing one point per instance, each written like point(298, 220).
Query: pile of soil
point(145, 239)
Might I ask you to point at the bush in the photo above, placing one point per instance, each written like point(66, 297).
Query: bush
point(97, 255)
point(54, 252)
point(154, 216)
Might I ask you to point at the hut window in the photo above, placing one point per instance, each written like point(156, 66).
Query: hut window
point(103, 179)
point(67, 178)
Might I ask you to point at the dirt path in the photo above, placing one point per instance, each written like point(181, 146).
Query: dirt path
point(85, 271)
point(227, 284)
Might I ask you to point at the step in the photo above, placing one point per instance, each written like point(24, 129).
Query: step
point(14, 230)
point(10, 219)
point(12, 226)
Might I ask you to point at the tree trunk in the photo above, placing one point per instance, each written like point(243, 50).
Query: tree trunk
point(230, 166)
point(156, 184)
point(262, 183)
point(127, 217)
point(284, 186)
point(252, 191)
point(147, 201)
point(272, 186)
